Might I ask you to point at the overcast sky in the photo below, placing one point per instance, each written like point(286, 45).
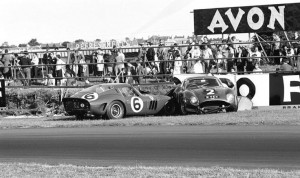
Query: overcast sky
point(68, 20)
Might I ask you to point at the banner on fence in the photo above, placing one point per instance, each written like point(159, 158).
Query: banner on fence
point(247, 19)
point(269, 89)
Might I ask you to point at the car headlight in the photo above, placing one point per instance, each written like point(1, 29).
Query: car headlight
point(194, 100)
point(82, 105)
point(230, 98)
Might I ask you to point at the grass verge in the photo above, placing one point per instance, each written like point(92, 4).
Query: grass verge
point(38, 170)
point(253, 117)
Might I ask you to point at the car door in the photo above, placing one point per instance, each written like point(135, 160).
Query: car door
point(135, 103)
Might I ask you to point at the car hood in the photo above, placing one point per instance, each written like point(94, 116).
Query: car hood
point(205, 92)
point(80, 94)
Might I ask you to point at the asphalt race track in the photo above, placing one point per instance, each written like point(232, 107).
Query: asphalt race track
point(228, 146)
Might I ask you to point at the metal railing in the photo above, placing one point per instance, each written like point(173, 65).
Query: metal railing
point(15, 69)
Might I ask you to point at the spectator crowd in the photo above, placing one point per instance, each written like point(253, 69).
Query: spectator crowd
point(160, 62)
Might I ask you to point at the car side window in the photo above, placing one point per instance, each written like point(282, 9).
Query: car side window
point(127, 91)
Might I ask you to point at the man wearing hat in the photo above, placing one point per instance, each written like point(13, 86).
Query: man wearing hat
point(25, 63)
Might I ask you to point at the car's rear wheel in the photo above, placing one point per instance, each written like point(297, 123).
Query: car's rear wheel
point(115, 110)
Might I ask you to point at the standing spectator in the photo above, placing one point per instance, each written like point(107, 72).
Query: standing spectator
point(25, 63)
point(119, 66)
point(78, 57)
point(188, 55)
point(109, 60)
point(296, 43)
point(35, 68)
point(177, 64)
point(232, 40)
point(139, 73)
point(129, 72)
point(82, 71)
point(7, 60)
point(162, 57)
point(249, 64)
point(240, 62)
point(285, 66)
point(100, 62)
point(142, 54)
point(257, 53)
point(196, 53)
point(150, 54)
point(276, 49)
point(52, 61)
point(219, 54)
point(60, 69)
point(207, 56)
point(230, 62)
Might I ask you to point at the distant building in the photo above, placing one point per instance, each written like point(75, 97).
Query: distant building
point(51, 45)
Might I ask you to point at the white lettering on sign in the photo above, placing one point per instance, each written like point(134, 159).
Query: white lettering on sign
point(288, 89)
point(235, 21)
point(218, 21)
point(261, 18)
point(279, 16)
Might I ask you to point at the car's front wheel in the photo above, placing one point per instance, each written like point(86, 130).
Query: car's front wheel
point(182, 109)
point(115, 110)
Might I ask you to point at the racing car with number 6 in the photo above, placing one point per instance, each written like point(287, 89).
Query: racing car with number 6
point(115, 101)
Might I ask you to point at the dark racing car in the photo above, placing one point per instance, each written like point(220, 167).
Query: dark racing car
point(114, 101)
point(203, 94)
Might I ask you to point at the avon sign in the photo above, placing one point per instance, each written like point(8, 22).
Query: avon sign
point(267, 18)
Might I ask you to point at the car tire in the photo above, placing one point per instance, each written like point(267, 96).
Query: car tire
point(182, 109)
point(169, 108)
point(115, 110)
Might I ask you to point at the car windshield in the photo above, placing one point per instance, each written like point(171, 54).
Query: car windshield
point(102, 89)
point(201, 82)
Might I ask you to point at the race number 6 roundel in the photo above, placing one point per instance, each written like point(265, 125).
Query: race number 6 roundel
point(137, 104)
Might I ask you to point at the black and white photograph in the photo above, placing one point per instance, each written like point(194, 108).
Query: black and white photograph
point(150, 88)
